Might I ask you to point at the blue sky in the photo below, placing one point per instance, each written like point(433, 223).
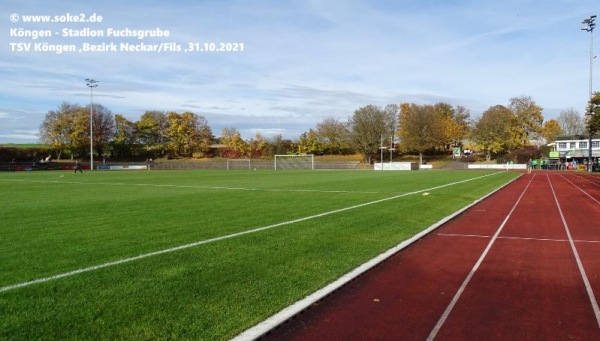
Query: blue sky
point(303, 60)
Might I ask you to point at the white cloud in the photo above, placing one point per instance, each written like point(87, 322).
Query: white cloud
point(21, 135)
point(306, 60)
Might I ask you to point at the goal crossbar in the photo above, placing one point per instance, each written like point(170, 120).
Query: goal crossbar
point(239, 164)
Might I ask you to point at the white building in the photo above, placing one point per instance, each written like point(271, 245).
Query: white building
point(576, 147)
point(573, 152)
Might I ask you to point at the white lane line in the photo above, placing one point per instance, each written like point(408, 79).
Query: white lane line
point(463, 235)
point(584, 276)
point(233, 235)
point(456, 297)
point(589, 179)
point(516, 238)
point(581, 190)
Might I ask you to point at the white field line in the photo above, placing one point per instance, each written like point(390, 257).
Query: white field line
point(229, 236)
point(456, 297)
point(187, 186)
point(584, 276)
point(287, 313)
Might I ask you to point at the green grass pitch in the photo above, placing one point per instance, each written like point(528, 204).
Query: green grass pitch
point(318, 225)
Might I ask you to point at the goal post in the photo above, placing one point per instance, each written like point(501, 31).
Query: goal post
point(243, 164)
point(306, 161)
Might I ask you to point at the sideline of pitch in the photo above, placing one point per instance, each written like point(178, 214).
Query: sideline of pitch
point(188, 186)
point(206, 241)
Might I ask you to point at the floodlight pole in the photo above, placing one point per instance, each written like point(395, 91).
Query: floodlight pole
point(588, 26)
point(91, 83)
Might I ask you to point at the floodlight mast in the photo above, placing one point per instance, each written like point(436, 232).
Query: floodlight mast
point(589, 26)
point(91, 83)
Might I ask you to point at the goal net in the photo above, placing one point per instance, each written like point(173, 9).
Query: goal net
point(295, 161)
point(238, 164)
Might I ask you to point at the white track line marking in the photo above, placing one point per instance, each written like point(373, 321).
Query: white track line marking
point(581, 190)
point(233, 235)
point(588, 179)
point(516, 238)
point(463, 235)
point(456, 297)
point(584, 276)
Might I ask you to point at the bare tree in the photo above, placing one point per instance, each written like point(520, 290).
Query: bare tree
point(333, 136)
point(104, 127)
point(571, 122)
point(392, 112)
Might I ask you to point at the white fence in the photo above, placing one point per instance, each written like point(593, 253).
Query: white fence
point(396, 166)
point(119, 167)
point(499, 166)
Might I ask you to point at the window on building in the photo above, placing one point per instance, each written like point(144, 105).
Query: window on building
point(583, 145)
point(572, 145)
point(595, 144)
point(562, 145)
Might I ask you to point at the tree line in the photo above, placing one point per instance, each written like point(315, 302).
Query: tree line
point(405, 127)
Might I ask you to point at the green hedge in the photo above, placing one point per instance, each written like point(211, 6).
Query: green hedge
point(24, 153)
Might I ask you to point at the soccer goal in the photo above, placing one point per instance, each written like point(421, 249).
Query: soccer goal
point(295, 161)
point(239, 164)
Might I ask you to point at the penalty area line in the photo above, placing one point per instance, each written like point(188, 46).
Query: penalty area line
point(229, 236)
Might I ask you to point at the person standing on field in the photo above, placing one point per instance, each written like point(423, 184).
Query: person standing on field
point(78, 167)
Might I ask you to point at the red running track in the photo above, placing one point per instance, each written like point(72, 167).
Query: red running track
point(524, 264)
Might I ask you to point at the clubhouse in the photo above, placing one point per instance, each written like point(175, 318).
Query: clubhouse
point(575, 149)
